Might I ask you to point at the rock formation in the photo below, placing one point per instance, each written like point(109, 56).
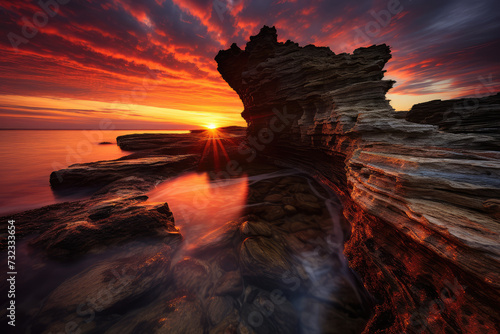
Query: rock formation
point(471, 115)
point(424, 204)
point(101, 173)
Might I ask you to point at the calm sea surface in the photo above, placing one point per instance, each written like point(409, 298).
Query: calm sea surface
point(29, 156)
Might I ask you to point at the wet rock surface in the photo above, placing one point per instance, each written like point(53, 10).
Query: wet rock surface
point(114, 215)
point(97, 174)
point(421, 201)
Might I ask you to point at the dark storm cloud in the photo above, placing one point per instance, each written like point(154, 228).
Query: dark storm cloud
point(456, 40)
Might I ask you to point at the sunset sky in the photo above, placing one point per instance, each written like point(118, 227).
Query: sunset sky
point(149, 64)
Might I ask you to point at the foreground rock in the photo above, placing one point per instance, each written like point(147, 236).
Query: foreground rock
point(114, 215)
point(423, 203)
point(105, 288)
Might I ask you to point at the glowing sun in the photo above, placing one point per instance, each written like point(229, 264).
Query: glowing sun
point(211, 126)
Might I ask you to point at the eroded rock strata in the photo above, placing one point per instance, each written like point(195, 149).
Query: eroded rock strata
point(424, 204)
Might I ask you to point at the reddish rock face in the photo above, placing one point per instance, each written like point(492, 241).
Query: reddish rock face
point(423, 204)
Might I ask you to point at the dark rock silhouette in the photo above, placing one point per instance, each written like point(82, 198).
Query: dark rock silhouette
point(423, 204)
point(467, 115)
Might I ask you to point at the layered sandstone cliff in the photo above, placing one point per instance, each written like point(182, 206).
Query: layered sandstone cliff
point(424, 205)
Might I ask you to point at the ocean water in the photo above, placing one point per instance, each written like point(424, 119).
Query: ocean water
point(29, 156)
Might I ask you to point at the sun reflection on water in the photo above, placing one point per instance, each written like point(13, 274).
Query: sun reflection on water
point(200, 205)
